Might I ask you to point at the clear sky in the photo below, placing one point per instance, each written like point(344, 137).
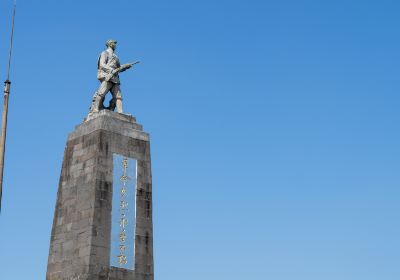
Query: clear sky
point(274, 131)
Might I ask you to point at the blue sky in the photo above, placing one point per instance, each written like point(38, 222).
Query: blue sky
point(274, 127)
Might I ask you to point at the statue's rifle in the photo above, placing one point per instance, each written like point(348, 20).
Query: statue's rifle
point(119, 70)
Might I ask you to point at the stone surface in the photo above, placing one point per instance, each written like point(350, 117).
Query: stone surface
point(80, 238)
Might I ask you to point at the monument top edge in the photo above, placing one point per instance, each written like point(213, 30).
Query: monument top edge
point(119, 123)
point(120, 116)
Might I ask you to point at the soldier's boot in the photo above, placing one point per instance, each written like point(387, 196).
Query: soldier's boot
point(119, 104)
point(94, 108)
point(112, 104)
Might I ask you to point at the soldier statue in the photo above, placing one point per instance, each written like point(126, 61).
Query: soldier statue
point(108, 68)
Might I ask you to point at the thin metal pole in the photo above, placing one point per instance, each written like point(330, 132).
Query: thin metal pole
point(7, 85)
point(3, 134)
point(11, 41)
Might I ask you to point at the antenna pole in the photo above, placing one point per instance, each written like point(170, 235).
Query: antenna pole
point(7, 85)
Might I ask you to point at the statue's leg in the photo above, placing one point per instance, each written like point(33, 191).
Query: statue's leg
point(112, 103)
point(101, 103)
point(92, 105)
point(117, 97)
point(99, 96)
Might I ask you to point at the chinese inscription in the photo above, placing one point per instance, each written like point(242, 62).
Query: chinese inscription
point(123, 215)
point(122, 260)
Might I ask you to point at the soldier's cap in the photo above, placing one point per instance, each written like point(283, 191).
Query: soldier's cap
point(110, 41)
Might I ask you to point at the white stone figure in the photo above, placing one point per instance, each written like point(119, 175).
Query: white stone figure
point(108, 68)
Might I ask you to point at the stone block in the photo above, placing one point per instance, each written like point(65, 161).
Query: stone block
point(80, 238)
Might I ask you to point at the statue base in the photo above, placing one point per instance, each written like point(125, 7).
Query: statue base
point(81, 242)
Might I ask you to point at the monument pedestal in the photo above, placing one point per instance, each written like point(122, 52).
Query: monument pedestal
point(85, 219)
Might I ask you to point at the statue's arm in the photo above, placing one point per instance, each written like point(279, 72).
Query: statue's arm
point(103, 63)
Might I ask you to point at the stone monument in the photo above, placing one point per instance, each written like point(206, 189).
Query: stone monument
point(102, 227)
